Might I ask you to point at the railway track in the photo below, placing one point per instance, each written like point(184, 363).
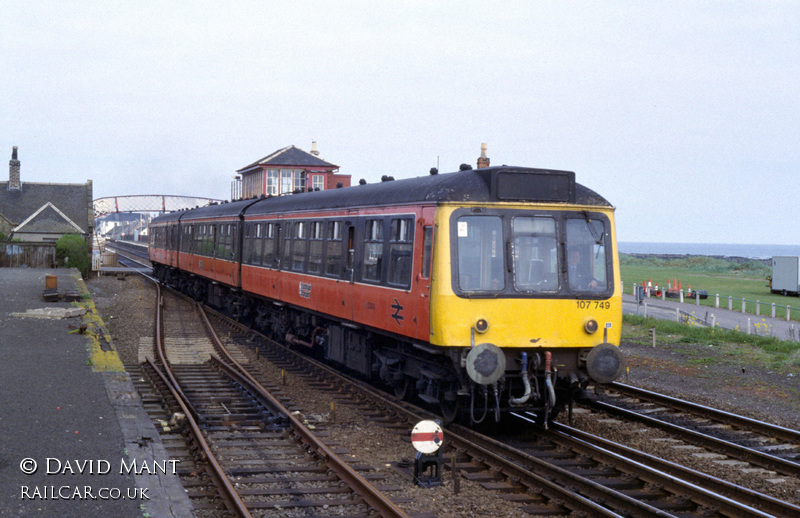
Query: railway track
point(259, 458)
point(773, 449)
point(562, 471)
point(558, 472)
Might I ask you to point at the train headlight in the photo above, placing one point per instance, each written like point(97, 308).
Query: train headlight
point(486, 363)
point(481, 325)
point(590, 326)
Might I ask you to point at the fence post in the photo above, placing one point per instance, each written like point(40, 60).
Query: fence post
point(787, 312)
point(758, 307)
point(748, 326)
point(681, 295)
point(730, 303)
point(716, 302)
point(744, 307)
point(697, 298)
point(678, 315)
point(773, 310)
point(664, 294)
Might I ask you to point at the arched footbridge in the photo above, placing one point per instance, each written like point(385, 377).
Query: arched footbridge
point(148, 203)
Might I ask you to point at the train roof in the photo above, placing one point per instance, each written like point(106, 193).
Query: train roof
point(490, 184)
point(217, 210)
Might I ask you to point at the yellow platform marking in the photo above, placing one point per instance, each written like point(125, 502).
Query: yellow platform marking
point(102, 361)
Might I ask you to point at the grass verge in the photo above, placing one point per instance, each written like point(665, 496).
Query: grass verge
point(777, 353)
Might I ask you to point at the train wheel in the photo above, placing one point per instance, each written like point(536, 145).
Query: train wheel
point(402, 390)
point(449, 410)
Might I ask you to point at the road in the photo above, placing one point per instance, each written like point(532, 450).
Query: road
point(705, 315)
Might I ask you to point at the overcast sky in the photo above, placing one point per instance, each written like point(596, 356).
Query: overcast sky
point(685, 115)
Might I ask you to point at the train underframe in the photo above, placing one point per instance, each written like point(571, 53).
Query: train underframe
point(535, 382)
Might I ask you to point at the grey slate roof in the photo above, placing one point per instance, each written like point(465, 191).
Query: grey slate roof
point(74, 200)
point(290, 156)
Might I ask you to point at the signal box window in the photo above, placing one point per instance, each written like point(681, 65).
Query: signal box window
point(480, 253)
point(535, 250)
point(400, 251)
point(373, 251)
point(272, 182)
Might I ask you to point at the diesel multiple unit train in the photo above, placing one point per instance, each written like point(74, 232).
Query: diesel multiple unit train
point(480, 292)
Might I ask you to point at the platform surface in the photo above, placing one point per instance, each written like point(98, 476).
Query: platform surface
point(70, 432)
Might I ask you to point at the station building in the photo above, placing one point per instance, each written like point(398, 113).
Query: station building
point(286, 171)
point(43, 212)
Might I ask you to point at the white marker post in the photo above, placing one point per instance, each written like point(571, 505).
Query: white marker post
point(427, 438)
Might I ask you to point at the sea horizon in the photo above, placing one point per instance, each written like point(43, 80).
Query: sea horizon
point(749, 251)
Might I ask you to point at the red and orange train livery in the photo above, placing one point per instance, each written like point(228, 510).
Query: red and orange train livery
point(481, 292)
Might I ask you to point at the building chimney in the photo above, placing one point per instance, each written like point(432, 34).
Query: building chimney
point(14, 183)
point(314, 148)
point(483, 160)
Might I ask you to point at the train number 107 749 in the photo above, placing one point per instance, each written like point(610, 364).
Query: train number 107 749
point(596, 304)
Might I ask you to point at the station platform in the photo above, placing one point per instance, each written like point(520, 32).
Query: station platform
point(74, 436)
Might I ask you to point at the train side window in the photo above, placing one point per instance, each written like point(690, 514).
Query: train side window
point(315, 235)
point(299, 245)
point(373, 251)
point(198, 239)
point(268, 243)
point(222, 249)
point(232, 241)
point(247, 244)
point(427, 251)
point(211, 241)
point(187, 239)
point(333, 249)
point(286, 260)
point(400, 251)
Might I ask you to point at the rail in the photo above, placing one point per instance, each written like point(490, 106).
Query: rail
point(374, 498)
point(232, 499)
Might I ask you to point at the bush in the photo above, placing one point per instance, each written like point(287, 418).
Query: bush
point(72, 252)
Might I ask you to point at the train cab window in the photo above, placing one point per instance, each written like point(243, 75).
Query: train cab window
point(315, 235)
point(535, 251)
point(587, 260)
point(373, 251)
point(400, 251)
point(299, 246)
point(333, 249)
point(481, 254)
